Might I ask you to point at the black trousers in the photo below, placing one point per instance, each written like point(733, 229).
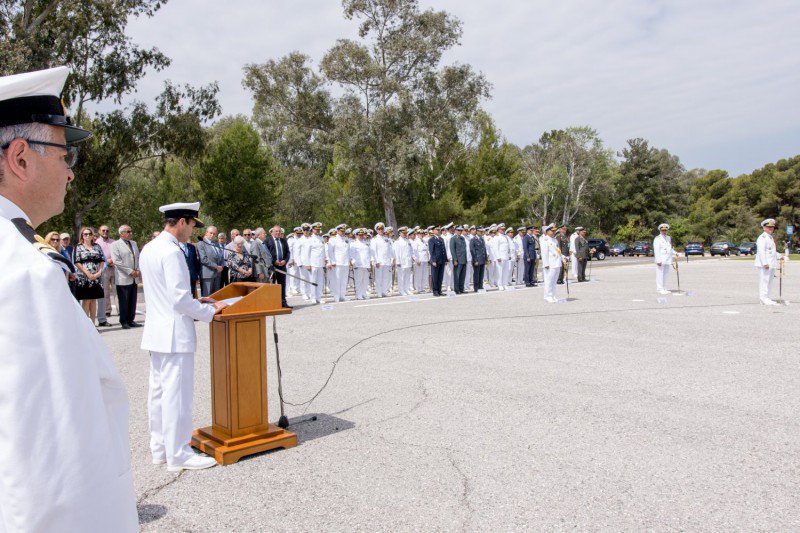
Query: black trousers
point(225, 277)
point(280, 279)
point(477, 276)
point(582, 269)
point(126, 297)
point(530, 272)
point(459, 276)
point(437, 275)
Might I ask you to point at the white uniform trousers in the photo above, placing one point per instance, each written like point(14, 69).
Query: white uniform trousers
point(294, 283)
point(383, 280)
point(315, 275)
point(502, 273)
point(169, 403)
point(573, 266)
point(468, 275)
point(447, 280)
point(490, 269)
point(519, 273)
point(765, 277)
point(361, 280)
point(551, 276)
point(404, 280)
point(338, 279)
point(661, 275)
point(421, 273)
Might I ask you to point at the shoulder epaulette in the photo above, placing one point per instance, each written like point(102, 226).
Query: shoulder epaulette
point(30, 235)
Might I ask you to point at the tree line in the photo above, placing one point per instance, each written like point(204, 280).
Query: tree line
point(380, 129)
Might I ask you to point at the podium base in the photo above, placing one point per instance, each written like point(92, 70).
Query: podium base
point(229, 450)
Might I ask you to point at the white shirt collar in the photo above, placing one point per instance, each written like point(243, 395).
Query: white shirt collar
point(10, 210)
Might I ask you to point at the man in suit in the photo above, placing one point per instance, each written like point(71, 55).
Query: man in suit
point(263, 258)
point(529, 257)
point(193, 263)
point(458, 251)
point(212, 260)
point(477, 248)
point(169, 336)
point(438, 261)
point(279, 250)
point(125, 254)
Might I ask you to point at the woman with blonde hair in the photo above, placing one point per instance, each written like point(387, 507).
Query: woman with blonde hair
point(89, 262)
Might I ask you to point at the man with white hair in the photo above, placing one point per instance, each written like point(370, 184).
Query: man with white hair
point(663, 255)
point(125, 253)
point(212, 261)
point(64, 452)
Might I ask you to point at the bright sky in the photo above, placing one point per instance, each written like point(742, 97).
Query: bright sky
point(713, 81)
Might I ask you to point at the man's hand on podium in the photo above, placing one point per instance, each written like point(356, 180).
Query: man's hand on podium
point(218, 306)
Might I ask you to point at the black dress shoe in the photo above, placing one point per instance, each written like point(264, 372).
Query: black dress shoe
point(287, 306)
point(559, 282)
point(135, 325)
point(125, 326)
point(103, 324)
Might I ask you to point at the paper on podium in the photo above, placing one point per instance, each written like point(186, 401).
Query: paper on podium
point(231, 301)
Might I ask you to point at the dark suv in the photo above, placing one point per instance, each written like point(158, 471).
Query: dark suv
point(724, 248)
point(600, 248)
point(642, 248)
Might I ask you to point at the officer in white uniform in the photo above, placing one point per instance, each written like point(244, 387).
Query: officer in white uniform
point(573, 260)
point(767, 258)
point(552, 262)
point(339, 263)
point(501, 246)
point(169, 336)
point(520, 261)
point(382, 257)
point(314, 263)
point(422, 262)
point(360, 259)
point(293, 281)
point(404, 261)
point(663, 254)
point(64, 449)
point(302, 254)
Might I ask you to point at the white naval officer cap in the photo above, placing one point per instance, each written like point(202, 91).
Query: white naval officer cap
point(768, 223)
point(378, 226)
point(340, 226)
point(183, 210)
point(663, 226)
point(402, 229)
point(35, 97)
point(548, 227)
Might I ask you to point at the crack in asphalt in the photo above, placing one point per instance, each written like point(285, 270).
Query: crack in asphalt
point(155, 490)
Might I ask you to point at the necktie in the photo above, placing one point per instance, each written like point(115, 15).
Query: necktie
point(133, 254)
point(279, 249)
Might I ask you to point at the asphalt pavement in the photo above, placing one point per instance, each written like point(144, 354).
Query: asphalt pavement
point(616, 409)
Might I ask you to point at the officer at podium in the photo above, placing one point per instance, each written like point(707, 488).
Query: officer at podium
point(64, 449)
point(169, 336)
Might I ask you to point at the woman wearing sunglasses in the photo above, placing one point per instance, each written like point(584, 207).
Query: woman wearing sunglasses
point(89, 261)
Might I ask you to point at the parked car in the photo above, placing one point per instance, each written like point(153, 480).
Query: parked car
point(724, 248)
point(642, 248)
point(600, 248)
point(747, 248)
point(620, 248)
point(694, 248)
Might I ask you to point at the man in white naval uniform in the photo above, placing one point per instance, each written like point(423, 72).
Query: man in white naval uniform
point(520, 264)
point(305, 274)
point(552, 262)
point(382, 257)
point(293, 282)
point(422, 262)
point(766, 262)
point(360, 259)
point(169, 336)
point(663, 254)
point(64, 449)
point(404, 261)
point(573, 260)
point(501, 246)
point(314, 263)
point(339, 263)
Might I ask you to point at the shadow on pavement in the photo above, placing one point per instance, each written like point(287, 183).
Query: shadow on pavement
point(150, 512)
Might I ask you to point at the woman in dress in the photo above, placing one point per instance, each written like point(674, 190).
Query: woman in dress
point(240, 265)
point(89, 261)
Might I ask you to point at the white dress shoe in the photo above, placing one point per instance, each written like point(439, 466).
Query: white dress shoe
point(159, 461)
point(198, 462)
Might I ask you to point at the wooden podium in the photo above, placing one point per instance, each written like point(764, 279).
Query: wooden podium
point(239, 376)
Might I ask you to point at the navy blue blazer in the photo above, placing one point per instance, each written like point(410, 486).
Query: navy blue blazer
point(437, 250)
point(529, 247)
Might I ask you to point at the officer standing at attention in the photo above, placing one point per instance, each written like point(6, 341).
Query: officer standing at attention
point(581, 252)
point(169, 336)
point(563, 244)
point(529, 257)
point(663, 254)
point(551, 262)
point(436, 247)
point(65, 461)
point(766, 261)
point(477, 247)
point(458, 251)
